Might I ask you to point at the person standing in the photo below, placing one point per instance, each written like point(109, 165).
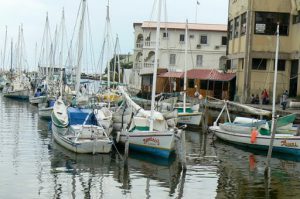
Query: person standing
point(265, 97)
point(284, 99)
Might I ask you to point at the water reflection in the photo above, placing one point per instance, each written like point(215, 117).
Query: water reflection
point(31, 161)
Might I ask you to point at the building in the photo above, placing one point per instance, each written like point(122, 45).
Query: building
point(207, 82)
point(252, 44)
point(206, 49)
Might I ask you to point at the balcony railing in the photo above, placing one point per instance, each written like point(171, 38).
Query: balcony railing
point(149, 43)
point(139, 45)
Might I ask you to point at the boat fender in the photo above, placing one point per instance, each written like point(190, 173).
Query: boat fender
point(118, 136)
point(254, 134)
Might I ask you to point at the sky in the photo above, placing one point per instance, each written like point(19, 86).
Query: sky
point(123, 13)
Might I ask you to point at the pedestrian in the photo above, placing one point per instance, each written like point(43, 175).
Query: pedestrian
point(256, 99)
point(265, 97)
point(284, 99)
point(252, 99)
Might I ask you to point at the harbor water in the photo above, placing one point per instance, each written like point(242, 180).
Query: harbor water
point(32, 165)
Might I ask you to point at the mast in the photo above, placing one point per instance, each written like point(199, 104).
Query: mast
point(4, 49)
point(185, 63)
point(80, 47)
point(108, 46)
point(273, 103)
point(155, 63)
point(115, 59)
point(61, 52)
point(11, 58)
point(119, 64)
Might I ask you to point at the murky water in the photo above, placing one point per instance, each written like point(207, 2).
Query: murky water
point(33, 166)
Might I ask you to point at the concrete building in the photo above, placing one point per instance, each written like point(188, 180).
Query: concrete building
point(252, 43)
point(207, 49)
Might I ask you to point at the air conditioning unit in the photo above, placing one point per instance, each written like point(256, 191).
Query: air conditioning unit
point(217, 47)
point(198, 46)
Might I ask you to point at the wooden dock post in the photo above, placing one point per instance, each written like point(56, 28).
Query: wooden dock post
point(180, 147)
point(126, 148)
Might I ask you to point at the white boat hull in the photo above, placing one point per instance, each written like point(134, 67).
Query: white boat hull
point(190, 118)
point(37, 100)
point(83, 144)
point(156, 143)
point(45, 112)
point(284, 143)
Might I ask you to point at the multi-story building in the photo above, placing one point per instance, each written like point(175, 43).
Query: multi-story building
point(206, 48)
point(252, 43)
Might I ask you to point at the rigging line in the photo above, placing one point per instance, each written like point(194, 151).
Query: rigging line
point(43, 40)
point(73, 34)
point(153, 9)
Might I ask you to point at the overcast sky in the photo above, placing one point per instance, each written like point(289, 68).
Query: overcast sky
point(32, 13)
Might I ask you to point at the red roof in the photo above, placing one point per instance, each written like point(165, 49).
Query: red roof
point(203, 74)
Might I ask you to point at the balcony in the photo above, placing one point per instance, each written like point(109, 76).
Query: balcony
point(139, 45)
point(149, 44)
point(147, 69)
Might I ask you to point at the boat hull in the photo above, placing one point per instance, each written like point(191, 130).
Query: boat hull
point(37, 100)
point(82, 145)
point(45, 113)
point(21, 94)
point(158, 144)
point(283, 143)
point(190, 118)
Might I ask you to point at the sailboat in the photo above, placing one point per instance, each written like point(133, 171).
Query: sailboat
point(69, 130)
point(189, 115)
point(256, 133)
point(149, 132)
point(19, 88)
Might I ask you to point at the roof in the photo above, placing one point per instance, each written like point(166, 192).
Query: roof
point(181, 26)
point(203, 74)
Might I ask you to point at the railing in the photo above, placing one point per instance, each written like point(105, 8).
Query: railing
point(149, 43)
point(139, 45)
point(138, 65)
point(148, 65)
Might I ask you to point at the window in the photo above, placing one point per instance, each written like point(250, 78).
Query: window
point(224, 40)
point(172, 59)
point(230, 29)
point(281, 65)
point(266, 23)
point(259, 64)
point(181, 82)
point(243, 23)
point(165, 34)
point(203, 39)
point(203, 84)
point(191, 83)
point(199, 60)
point(181, 38)
point(236, 27)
